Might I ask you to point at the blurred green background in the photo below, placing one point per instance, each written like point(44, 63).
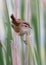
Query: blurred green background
point(17, 53)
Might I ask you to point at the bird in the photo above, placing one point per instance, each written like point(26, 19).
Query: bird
point(20, 26)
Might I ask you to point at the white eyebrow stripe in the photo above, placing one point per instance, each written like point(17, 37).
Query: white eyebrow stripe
point(24, 24)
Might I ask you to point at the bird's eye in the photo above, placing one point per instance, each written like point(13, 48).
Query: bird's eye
point(25, 26)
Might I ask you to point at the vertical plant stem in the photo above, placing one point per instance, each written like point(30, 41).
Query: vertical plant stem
point(6, 22)
point(22, 7)
point(27, 11)
point(36, 26)
point(16, 49)
point(44, 5)
point(16, 8)
point(1, 56)
point(45, 32)
point(42, 31)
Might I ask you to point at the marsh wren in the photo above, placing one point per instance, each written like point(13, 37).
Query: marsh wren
point(20, 26)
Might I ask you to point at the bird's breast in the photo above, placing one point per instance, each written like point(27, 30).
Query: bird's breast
point(17, 29)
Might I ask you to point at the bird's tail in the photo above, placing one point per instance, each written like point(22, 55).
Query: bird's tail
point(14, 20)
point(12, 17)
